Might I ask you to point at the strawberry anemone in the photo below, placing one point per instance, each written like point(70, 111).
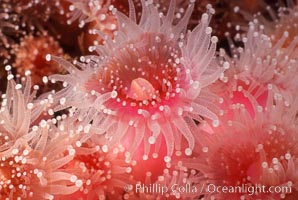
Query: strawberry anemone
point(30, 56)
point(147, 84)
point(257, 67)
point(34, 171)
point(18, 111)
point(92, 14)
point(30, 162)
point(103, 171)
point(249, 151)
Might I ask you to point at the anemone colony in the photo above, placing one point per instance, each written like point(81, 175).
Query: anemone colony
point(140, 99)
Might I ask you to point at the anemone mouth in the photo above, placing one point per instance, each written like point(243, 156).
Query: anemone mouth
point(141, 90)
point(143, 73)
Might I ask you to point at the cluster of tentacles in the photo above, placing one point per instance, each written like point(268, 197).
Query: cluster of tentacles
point(148, 99)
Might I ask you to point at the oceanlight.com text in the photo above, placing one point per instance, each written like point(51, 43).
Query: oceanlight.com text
point(248, 189)
point(256, 189)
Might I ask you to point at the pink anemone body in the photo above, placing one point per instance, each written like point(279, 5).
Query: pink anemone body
point(147, 83)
